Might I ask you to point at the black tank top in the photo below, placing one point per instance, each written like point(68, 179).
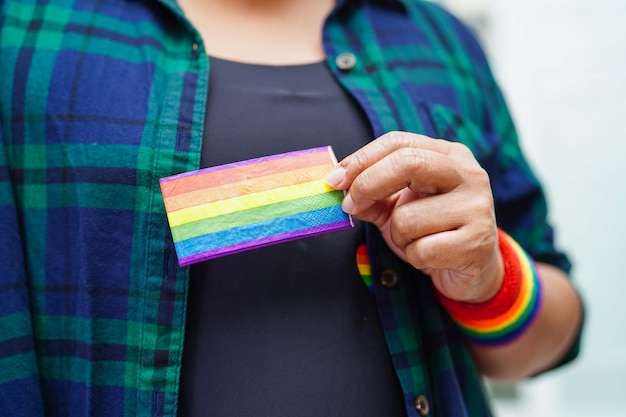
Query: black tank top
point(291, 329)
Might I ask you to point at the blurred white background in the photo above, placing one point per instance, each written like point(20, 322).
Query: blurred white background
point(562, 66)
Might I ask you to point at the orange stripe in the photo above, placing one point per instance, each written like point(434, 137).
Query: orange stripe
point(245, 187)
point(239, 173)
point(517, 305)
point(362, 259)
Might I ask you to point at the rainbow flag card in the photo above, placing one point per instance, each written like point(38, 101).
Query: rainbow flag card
point(245, 205)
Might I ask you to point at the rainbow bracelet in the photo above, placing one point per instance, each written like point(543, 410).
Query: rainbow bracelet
point(503, 318)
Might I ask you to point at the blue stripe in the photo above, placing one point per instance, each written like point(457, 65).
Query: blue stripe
point(259, 230)
point(91, 175)
point(88, 351)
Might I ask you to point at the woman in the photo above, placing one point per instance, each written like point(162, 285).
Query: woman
point(102, 99)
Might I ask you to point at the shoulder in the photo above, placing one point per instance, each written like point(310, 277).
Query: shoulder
point(431, 10)
point(445, 25)
point(450, 36)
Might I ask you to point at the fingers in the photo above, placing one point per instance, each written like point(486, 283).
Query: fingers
point(440, 251)
point(430, 251)
point(353, 165)
point(421, 171)
point(440, 213)
point(394, 162)
point(426, 216)
point(473, 274)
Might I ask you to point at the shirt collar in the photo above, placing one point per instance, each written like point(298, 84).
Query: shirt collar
point(388, 3)
point(391, 4)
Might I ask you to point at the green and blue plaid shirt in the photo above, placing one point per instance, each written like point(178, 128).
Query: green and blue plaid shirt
point(101, 98)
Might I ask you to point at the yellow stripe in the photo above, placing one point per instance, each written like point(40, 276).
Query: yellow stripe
point(245, 187)
point(364, 269)
point(247, 202)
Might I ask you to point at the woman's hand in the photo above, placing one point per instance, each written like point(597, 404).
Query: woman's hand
point(433, 204)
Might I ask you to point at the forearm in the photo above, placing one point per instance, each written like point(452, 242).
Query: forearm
point(548, 338)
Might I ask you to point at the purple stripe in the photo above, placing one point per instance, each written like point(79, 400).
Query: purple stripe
point(244, 163)
point(266, 241)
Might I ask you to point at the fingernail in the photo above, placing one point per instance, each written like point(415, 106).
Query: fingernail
point(336, 176)
point(347, 205)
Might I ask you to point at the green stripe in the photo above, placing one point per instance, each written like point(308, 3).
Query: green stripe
point(42, 156)
point(97, 331)
point(16, 367)
point(367, 279)
point(83, 371)
point(102, 196)
point(256, 215)
point(14, 326)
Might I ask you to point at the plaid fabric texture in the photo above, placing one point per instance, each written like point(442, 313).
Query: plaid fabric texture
point(101, 98)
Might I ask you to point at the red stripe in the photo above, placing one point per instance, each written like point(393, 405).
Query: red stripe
point(240, 173)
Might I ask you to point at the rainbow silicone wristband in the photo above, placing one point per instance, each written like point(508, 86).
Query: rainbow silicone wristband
point(507, 315)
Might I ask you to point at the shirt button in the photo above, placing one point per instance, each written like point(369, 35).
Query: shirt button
point(194, 50)
point(345, 61)
point(388, 278)
point(421, 405)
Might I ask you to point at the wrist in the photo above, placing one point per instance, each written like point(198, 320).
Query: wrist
point(490, 287)
point(512, 308)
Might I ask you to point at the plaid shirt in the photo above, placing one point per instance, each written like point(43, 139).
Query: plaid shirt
point(101, 98)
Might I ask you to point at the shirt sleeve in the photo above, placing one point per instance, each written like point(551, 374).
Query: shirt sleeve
point(521, 204)
point(520, 201)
